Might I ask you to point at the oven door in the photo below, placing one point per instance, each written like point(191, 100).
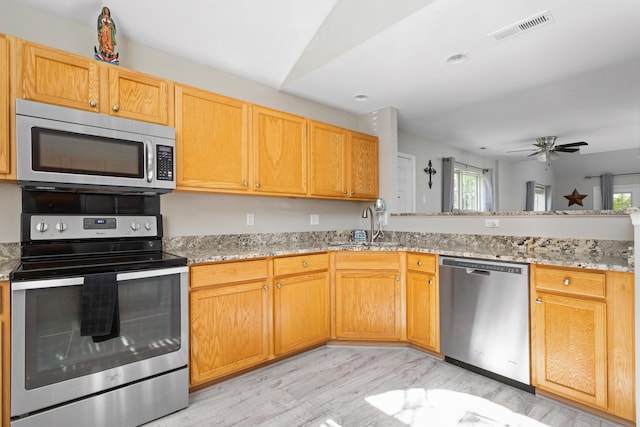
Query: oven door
point(53, 364)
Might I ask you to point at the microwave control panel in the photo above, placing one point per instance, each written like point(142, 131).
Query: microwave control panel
point(164, 156)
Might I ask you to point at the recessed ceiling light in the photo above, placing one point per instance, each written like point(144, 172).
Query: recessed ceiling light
point(361, 97)
point(457, 58)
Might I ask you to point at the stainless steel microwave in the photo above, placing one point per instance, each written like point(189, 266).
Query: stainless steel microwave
point(63, 148)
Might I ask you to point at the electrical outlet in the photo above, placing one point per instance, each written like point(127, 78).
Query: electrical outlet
point(251, 219)
point(383, 218)
point(492, 223)
point(314, 219)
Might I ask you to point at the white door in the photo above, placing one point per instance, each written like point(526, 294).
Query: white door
point(406, 188)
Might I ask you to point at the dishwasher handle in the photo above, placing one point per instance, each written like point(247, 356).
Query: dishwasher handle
point(478, 272)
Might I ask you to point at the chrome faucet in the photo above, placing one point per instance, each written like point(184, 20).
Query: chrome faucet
point(368, 213)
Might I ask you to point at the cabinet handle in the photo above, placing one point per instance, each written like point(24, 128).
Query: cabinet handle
point(115, 108)
point(93, 103)
point(539, 300)
point(304, 263)
point(257, 185)
point(279, 285)
point(245, 183)
point(431, 281)
point(566, 282)
point(419, 263)
point(265, 287)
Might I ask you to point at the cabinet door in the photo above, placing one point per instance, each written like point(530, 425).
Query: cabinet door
point(56, 77)
point(423, 310)
point(5, 138)
point(301, 312)
point(229, 329)
point(327, 160)
point(138, 96)
point(280, 150)
point(212, 141)
point(569, 348)
point(364, 165)
point(368, 305)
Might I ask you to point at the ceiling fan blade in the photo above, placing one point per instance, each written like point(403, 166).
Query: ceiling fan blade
point(520, 151)
point(565, 150)
point(534, 153)
point(572, 144)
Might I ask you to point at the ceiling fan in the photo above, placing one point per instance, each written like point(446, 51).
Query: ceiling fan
point(547, 150)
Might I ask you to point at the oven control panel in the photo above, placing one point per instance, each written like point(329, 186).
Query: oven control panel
point(56, 227)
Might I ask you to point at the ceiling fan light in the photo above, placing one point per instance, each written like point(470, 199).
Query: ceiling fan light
point(553, 155)
point(542, 156)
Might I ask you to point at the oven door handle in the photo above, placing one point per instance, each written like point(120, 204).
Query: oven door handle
point(75, 281)
point(47, 283)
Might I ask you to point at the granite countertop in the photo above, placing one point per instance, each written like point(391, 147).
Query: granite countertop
point(213, 254)
point(6, 265)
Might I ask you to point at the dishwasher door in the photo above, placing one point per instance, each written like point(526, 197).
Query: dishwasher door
point(484, 316)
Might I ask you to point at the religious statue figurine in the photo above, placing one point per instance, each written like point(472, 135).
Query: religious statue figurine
point(106, 38)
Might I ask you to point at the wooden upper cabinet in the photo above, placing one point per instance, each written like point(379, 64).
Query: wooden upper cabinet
point(138, 96)
point(363, 160)
point(212, 141)
point(280, 152)
point(327, 160)
point(5, 136)
point(56, 77)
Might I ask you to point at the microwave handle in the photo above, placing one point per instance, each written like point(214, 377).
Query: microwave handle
point(148, 154)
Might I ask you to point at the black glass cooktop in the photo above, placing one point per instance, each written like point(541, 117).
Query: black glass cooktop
point(69, 266)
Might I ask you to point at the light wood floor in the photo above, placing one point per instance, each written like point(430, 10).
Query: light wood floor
point(370, 386)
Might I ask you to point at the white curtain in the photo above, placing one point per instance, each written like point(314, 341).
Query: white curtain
point(606, 186)
point(487, 185)
point(448, 170)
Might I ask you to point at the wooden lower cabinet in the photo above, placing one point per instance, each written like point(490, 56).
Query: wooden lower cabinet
point(369, 296)
point(582, 324)
point(5, 363)
point(301, 312)
point(423, 301)
point(230, 323)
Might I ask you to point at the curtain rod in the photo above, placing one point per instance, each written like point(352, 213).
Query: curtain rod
point(615, 174)
point(471, 166)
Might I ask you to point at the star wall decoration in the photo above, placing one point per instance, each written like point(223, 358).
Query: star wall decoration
point(575, 198)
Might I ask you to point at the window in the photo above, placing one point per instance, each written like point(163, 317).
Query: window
point(466, 190)
point(540, 198)
point(621, 201)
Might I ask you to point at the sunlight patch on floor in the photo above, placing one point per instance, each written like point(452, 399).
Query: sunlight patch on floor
point(420, 407)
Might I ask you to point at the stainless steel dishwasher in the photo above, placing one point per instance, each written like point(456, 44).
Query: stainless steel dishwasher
point(484, 317)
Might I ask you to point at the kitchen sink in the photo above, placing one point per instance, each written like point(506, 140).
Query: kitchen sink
point(365, 244)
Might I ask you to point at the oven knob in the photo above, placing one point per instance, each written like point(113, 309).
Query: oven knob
point(147, 226)
point(61, 226)
point(42, 226)
point(135, 226)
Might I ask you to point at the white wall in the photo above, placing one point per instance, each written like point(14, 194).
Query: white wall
point(513, 180)
point(430, 199)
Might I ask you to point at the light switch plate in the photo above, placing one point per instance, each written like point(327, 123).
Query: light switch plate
point(314, 219)
point(250, 219)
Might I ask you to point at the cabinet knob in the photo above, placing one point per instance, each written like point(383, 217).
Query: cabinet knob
point(93, 103)
point(539, 300)
point(566, 282)
point(397, 278)
point(265, 287)
point(257, 185)
point(419, 263)
point(279, 285)
point(431, 281)
point(346, 192)
point(245, 183)
point(353, 193)
point(304, 263)
point(115, 108)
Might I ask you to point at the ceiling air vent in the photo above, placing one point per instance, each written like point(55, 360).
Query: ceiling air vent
point(520, 27)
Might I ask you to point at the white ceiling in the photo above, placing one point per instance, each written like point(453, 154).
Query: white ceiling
point(577, 77)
